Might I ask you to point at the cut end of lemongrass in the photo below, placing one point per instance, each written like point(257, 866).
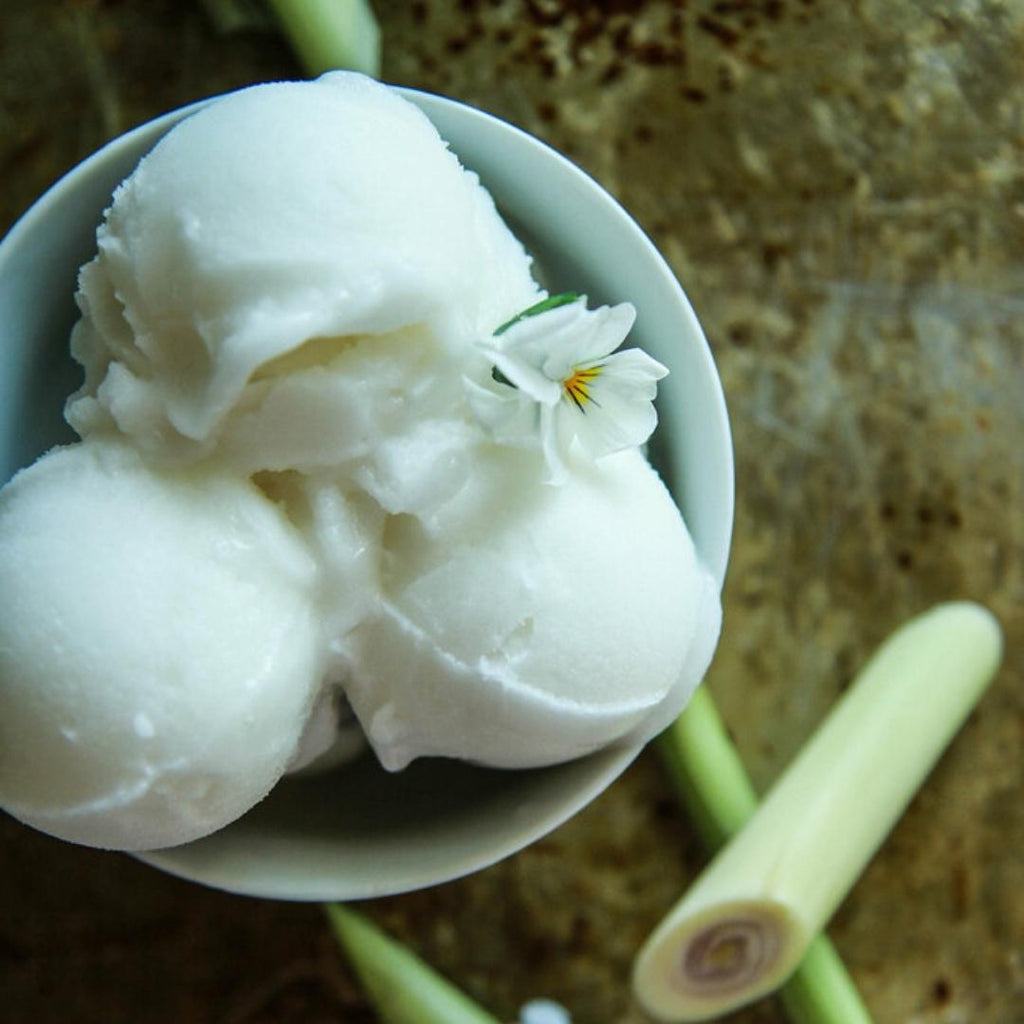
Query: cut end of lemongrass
point(746, 922)
point(697, 967)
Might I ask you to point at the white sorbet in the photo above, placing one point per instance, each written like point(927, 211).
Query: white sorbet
point(285, 510)
point(158, 648)
point(552, 622)
point(273, 216)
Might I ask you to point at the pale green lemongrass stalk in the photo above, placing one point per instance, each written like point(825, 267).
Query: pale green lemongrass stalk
point(708, 774)
point(402, 988)
point(331, 34)
point(749, 919)
point(239, 15)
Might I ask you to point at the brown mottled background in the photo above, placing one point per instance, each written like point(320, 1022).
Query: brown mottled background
point(839, 187)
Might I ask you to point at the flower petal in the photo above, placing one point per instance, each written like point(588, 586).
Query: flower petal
point(510, 418)
point(525, 375)
point(533, 336)
point(611, 423)
point(597, 333)
point(553, 444)
point(634, 373)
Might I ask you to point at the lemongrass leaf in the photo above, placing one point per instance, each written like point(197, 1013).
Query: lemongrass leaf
point(707, 772)
point(329, 35)
point(745, 924)
point(821, 990)
point(402, 988)
point(708, 775)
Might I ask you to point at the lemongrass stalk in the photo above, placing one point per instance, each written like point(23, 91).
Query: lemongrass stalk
point(708, 774)
point(331, 34)
point(229, 16)
point(747, 921)
point(402, 988)
point(821, 991)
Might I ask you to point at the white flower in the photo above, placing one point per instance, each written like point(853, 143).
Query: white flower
point(558, 379)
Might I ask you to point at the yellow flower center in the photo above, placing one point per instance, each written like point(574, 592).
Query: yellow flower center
point(576, 387)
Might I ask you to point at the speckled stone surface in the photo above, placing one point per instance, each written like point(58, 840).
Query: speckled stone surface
point(840, 189)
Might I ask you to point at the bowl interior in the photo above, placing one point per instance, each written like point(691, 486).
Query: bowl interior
point(360, 831)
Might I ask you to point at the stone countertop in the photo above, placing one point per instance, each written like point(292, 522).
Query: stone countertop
point(839, 187)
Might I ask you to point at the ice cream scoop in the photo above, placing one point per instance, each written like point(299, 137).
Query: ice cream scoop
point(552, 622)
point(274, 216)
point(158, 648)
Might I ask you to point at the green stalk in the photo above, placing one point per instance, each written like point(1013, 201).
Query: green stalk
point(751, 917)
point(402, 988)
point(709, 777)
point(331, 34)
point(707, 772)
point(821, 991)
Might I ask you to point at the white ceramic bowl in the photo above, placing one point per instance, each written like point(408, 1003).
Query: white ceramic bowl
point(362, 832)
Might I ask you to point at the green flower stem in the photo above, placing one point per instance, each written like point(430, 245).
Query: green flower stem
point(402, 988)
point(753, 914)
point(551, 302)
point(331, 34)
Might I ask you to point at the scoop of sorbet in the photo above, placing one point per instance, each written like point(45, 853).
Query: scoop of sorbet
point(157, 648)
point(534, 624)
point(275, 215)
